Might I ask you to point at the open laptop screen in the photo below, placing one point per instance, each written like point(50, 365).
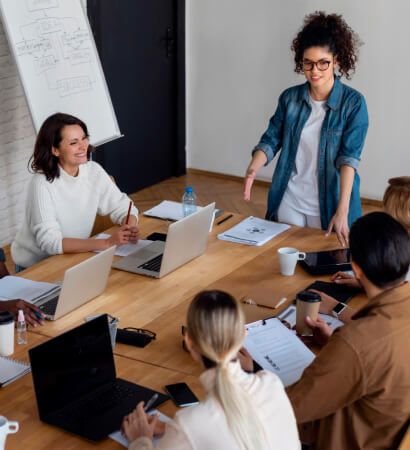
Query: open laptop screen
point(71, 365)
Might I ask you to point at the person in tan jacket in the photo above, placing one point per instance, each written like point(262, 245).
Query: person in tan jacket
point(356, 393)
point(241, 410)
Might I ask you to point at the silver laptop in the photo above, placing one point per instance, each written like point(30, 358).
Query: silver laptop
point(81, 283)
point(186, 239)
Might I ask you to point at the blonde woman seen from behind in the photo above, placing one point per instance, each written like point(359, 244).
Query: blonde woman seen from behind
point(241, 411)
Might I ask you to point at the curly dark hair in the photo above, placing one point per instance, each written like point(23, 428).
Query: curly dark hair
point(331, 31)
point(43, 161)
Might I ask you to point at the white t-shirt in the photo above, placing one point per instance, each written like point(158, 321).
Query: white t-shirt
point(302, 192)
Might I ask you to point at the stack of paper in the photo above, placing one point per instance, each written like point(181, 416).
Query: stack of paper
point(277, 349)
point(167, 210)
point(12, 288)
point(253, 231)
point(11, 369)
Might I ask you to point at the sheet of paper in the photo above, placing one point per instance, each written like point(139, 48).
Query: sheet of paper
point(289, 315)
point(277, 349)
point(125, 249)
point(118, 437)
point(167, 210)
point(16, 287)
point(253, 231)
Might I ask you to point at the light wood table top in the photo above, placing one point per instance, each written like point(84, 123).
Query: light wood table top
point(160, 306)
point(18, 402)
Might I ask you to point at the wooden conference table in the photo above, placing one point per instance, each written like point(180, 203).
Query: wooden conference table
point(160, 306)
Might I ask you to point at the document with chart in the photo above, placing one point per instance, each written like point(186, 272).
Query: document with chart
point(253, 231)
point(277, 349)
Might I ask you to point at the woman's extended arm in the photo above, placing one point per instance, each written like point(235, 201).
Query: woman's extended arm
point(259, 160)
point(339, 222)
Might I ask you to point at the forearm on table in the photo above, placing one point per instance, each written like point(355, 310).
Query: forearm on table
point(346, 185)
point(75, 245)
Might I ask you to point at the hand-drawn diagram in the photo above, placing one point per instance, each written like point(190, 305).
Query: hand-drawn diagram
point(59, 48)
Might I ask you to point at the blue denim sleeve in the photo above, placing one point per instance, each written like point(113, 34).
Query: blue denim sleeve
point(2, 257)
point(354, 136)
point(271, 140)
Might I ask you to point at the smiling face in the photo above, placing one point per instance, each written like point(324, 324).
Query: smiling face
point(72, 150)
point(320, 75)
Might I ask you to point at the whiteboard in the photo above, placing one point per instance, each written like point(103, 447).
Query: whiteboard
point(58, 63)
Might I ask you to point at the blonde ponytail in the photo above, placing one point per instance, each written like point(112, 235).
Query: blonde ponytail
point(216, 326)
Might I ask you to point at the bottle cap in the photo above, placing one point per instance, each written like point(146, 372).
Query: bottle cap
point(20, 317)
point(189, 189)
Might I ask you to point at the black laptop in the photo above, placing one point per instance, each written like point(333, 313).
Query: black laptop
point(76, 385)
point(327, 262)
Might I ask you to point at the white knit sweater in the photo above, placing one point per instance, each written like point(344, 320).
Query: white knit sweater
point(65, 208)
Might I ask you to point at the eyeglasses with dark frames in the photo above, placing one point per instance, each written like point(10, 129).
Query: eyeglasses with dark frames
point(322, 64)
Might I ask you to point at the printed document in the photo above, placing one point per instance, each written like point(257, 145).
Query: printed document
point(121, 439)
point(289, 316)
point(277, 349)
point(253, 231)
point(167, 210)
point(125, 249)
point(12, 288)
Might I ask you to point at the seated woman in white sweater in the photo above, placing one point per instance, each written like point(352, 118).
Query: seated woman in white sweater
point(65, 194)
point(241, 410)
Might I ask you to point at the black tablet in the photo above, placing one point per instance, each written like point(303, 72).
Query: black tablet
point(327, 262)
point(340, 292)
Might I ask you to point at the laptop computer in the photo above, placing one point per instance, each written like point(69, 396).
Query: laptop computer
point(186, 239)
point(76, 385)
point(81, 283)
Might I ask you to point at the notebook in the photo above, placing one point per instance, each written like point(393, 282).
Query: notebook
point(253, 231)
point(169, 210)
point(10, 370)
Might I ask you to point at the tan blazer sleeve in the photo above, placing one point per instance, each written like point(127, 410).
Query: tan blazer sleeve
point(334, 380)
point(173, 439)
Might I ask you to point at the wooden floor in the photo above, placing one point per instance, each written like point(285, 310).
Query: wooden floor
point(226, 192)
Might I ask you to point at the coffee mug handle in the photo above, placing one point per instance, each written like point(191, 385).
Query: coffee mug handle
point(301, 256)
point(13, 427)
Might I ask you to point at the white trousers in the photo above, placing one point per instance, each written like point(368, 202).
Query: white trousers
point(288, 214)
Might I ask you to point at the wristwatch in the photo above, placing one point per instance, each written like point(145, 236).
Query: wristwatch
point(337, 310)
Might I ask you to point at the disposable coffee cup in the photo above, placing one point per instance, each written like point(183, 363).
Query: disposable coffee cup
point(6, 334)
point(307, 304)
point(288, 257)
point(6, 427)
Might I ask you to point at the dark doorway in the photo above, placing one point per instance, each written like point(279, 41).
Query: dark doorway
point(141, 44)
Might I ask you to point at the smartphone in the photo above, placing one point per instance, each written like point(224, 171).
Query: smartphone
point(157, 237)
point(181, 394)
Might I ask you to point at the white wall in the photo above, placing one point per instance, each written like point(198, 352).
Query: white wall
point(239, 61)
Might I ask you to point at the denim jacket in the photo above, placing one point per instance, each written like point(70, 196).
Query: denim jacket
point(341, 142)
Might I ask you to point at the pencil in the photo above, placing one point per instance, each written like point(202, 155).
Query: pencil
point(129, 212)
point(150, 402)
point(224, 219)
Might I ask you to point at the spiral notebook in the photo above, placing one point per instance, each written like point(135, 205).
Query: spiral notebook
point(11, 369)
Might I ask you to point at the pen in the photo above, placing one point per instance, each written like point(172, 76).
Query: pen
point(150, 402)
point(224, 219)
point(129, 212)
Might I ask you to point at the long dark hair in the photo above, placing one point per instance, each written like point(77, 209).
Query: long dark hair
point(43, 161)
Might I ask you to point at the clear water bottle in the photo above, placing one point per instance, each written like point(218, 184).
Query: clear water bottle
point(21, 328)
point(188, 201)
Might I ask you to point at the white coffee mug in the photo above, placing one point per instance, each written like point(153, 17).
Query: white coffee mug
point(288, 257)
point(6, 334)
point(6, 427)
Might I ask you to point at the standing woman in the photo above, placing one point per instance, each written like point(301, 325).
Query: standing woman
point(241, 410)
point(320, 126)
point(65, 194)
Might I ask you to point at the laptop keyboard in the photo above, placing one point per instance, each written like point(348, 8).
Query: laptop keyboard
point(50, 306)
point(153, 264)
point(99, 402)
